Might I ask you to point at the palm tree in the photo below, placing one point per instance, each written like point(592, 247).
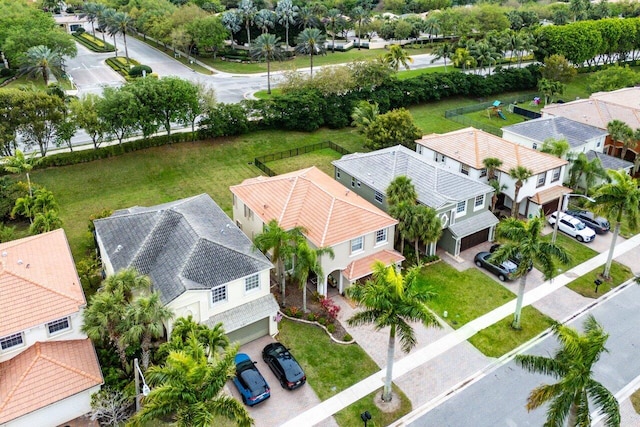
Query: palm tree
point(620, 132)
point(572, 364)
point(286, 12)
point(520, 174)
point(333, 20)
point(403, 212)
point(618, 199)
point(360, 16)
point(282, 244)
point(306, 262)
point(444, 51)
point(24, 207)
point(127, 280)
point(590, 169)
point(523, 239)
point(212, 339)
point(106, 20)
point(392, 300)
point(266, 47)
point(310, 41)
point(44, 201)
point(265, 19)
point(364, 113)
point(90, 12)
point(397, 56)
point(484, 53)
point(401, 189)
point(491, 164)
point(497, 190)
point(102, 16)
point(247, 11)
point(432, 27)
point(20, 164)
point(42, 61)
point(555, 147)
point(122, 23)
point(549, 89)
point(307, 18)
point(427, 226)
point(189, 388)
point(145, 319)
point(232, 22)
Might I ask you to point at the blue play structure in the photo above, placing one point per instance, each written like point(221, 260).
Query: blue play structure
point(496, 109)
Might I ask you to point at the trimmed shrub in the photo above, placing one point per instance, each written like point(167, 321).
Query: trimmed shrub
point(322, 321)
point(7, 72)
point(347, 337)
point(80, 30)
point(139, 70)
point(331, 328)
point(311, 317)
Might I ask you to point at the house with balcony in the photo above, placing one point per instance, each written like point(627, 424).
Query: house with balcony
point(464, 150)
point(48, 366)
point(198, 259)
point(333, 216)
point(462, 204)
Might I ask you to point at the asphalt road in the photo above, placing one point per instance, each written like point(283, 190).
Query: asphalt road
point(498, 399)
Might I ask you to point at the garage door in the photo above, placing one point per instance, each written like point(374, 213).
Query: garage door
point(250, 332)
point(550, 207)
point(474, 239)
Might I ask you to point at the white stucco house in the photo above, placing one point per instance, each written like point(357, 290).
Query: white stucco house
point(332, 215)
point(198, 259)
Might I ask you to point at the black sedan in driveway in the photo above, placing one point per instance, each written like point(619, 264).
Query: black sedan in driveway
point(515, 260)
point(284, 366)
point(504, 271)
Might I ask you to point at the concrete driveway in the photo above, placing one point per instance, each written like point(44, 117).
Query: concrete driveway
point(283, 404)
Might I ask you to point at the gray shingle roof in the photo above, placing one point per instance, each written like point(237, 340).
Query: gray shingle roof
point(182, 245)
point(475, 223)
point(557, 127)
point(245, 314)
point(436, 187)
point(607, 161)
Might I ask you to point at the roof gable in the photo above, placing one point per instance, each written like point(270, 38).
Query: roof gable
point(575, 133)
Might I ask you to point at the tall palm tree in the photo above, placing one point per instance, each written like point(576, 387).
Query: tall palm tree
point(364, 113)
point(122, 23)
point(497, 190)
point(232, 22)
point(392, 300)
point(616, 200)
point(306, 262)
point(491, 164)
point(145, 319)
point(620, 132)
point(90, 12)
point(523, 239)
point(189, 388)
point(427, 226)
point(42, 61)
point(307, 18)
point(401, 189)
point(484, 54)
point(443, 51)
point(432, 27)
point(102, 16)
point(397, 56)
point(265, 19)
point(282, 244)
point(520, 174)
point(310, 41)
point(266, 47)
point(572, 365)
point(403, 212)
point(18, 164)
point(360, 17)
point(247, 11)
point(106, 19)
point(555, 147)
point(287, 13)
point(333, 20)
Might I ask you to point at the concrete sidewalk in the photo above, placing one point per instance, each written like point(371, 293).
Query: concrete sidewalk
point(451, 340)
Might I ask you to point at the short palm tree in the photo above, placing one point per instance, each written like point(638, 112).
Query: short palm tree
point(491, 164)
point(213, 340)
point(310, 41)
point(520, 174)
point(43, 222)
point(42, 61)
point(401, 189)
point(572, 365)
point(550, 88)
point(266, 47)
point(397, 56)
point(444, 51)
point(188, 388)
point(426, 226)
point(523, 240)
point(18, 164)
point(497, 190)
point(364, 113)
point(432, 27)
point(307, 262)
point(392, 300)
point(590, 170)
point(555, 147)
point(621, 133)
point(616, 200)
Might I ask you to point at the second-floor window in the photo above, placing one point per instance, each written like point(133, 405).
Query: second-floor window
point(252, 282)
point(378, 197)
point(534, 146)
point(248, 213)
point(541, 179)
point(58, 325)
point(381, 236)
point(461, 208)
point(10, 341)
point(355, 183)
point(464, 169)
point(439, 157)
point(479, 202)
point(219, 294)
point(483, 172)
point(357, 244)
point(556, 175)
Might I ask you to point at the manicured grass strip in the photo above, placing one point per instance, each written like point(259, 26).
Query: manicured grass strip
point(330, 367)
point(464, 295)
point(585, 285)
point(93, 43)
point(350, 416)
point(500, 338)
point(321, 158)
point(407, 74)
point(120, 65)
point(578, 252)
point(635, 400)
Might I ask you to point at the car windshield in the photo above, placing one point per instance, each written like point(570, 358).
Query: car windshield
point(580, 226)
point(510, 266)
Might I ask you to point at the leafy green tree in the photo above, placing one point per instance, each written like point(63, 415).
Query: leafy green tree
point(42, 61)
point(189, 388)
point(616, 200)
point(266, 48)
point(85, 114)
point(117, 110)
point(392, 300)
point(613, 78)
point(392, 128)
point(557, 68)
point(310, 41)
point(19, 164)
point(555, 147)
point(286, 13)
point(520, 174)
point(307, 262)
point(523, 239)
point(208, 33)
point(572, 365)
point(41, 115)
point(397, 56)
point(364, 113)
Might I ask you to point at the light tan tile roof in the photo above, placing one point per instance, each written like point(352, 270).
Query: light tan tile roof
point(364, 266)
point(330, 212)
point(601, 108)
point(470, 146)
point(38, 282)
point(553, 193)
point(45, 373)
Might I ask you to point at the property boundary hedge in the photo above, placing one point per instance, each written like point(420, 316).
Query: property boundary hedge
point(93, 43)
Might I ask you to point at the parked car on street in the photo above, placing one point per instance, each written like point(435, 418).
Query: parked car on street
point(504, 271)
point(573, 227)
point(597, 223)
point(515, 260)
point(284, 366)
point(249, 381)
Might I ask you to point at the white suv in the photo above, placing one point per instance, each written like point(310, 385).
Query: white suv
point(573, 227)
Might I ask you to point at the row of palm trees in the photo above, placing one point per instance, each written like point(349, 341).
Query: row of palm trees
point(110, 21)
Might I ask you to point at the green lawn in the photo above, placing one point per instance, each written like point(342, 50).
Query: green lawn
point(331, 368)
point(585, 285)
point(350, 415)
point(578, 252)
point(492, 119)
point(320, 158)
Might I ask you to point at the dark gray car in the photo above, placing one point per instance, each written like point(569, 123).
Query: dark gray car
point(597, 223)
point(284, 366)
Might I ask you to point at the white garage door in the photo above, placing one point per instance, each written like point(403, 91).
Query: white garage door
point(250, 332)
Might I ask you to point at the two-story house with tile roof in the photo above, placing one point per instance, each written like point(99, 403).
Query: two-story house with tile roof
point(333, 216)
point(48, 366)
point(464, 150)
point(463, 204)
point(198, 259)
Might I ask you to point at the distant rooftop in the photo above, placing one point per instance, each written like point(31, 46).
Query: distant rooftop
point(556, 127)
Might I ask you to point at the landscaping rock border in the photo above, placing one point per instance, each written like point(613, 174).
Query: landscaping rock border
point(337, 341)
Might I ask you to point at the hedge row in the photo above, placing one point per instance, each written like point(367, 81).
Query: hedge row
point(93, 43)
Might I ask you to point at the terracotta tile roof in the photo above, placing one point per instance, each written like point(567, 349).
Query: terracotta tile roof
point(45, 373)
point(470, 146)
point(38, 282)
point(330, 212)
point(553, 193)
point(364, 266)
point(601, 108)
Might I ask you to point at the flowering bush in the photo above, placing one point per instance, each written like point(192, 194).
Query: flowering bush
point(330, 307)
